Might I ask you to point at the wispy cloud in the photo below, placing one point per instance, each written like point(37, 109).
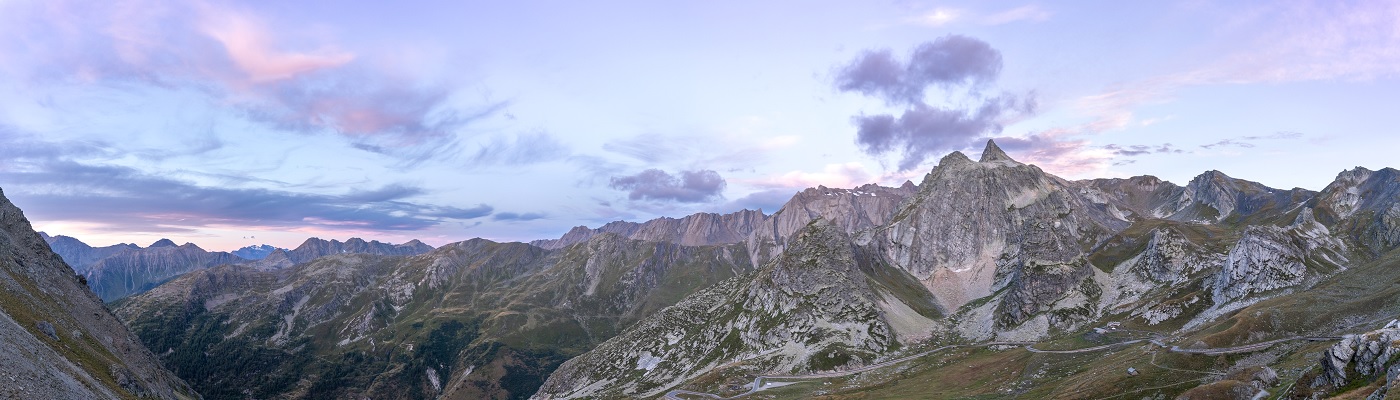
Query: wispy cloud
point(519, 149)
point(944, 16)
point(1022, 13)
point(1134, 150)
point(511, 216)
point(278, 75)
point(937, 17)
point(1249, 141)
point(56, 187)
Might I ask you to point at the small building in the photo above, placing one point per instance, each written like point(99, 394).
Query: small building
point(1132, 371)
point(1114, 325)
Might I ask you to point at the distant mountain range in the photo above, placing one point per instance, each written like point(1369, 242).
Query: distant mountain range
point(255, 252)
point(121, 270)
point(988, 279)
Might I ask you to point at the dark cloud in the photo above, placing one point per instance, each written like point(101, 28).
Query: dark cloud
point(922, 131)
point(946, 62)
point(510, 216)
point(654, 184)
point(1140, 149)
point(1248, 141)
point(52, 187)
point(528, 148)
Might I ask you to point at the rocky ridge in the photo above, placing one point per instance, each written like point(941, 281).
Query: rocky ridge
point(80, 255)
point(60, 341)
point(814, 308)
point(998, 250)
point(473, 319)
point(135, 270)
point(700, 229)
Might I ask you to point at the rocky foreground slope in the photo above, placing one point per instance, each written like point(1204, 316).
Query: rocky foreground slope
point(60, 342)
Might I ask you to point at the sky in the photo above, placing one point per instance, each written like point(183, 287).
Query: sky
point(230, 124)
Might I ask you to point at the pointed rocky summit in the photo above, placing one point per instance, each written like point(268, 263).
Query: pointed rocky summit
point(993, 153)
point(163, 243)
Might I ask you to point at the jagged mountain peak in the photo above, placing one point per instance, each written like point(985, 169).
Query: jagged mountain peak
point(993, 153)
point(954, 159)
point(163, 243)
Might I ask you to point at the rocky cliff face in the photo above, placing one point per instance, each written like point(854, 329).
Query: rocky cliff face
point(976, 228)
point(1210, 197)
point(136, 270)
point(1365, 204)
point(1214, 196)
point(60, 342)
point(864, 207)
point(701, 229)
point(78, 254)
point(1367, 357)
point(1139, 197)
point(473, 319)
point(815, 308)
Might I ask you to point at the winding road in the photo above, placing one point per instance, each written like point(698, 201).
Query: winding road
point(758, 382)
point(758, 385)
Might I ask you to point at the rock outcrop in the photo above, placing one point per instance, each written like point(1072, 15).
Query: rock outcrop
point(817, 307)
point(977, 228)
point(1365, 204)
point(60, 342)
point(1269, 259)
point(700, 229)
point(1367, 357)
point(852, 210)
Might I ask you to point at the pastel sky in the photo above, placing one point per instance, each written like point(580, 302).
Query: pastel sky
point(236, 123)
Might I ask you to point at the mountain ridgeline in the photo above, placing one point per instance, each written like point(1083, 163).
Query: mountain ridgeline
point(837, 291)
point(121, 270)
point(59, 341)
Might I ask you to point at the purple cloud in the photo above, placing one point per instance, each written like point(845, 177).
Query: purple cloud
point(924, 131)
point(654, 184)
point(946, 62)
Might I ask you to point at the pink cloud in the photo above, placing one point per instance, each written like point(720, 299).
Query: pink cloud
point(249, 45)
point(1058, 155)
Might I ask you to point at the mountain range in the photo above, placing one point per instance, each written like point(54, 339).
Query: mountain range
point(989, 278)
point(117, 271)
